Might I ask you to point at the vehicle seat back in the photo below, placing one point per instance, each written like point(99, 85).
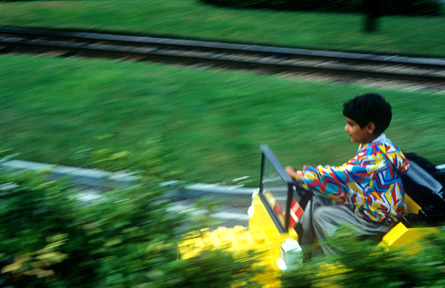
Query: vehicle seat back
point(425, 190)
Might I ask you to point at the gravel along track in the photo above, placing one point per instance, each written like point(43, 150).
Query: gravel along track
point(398, 71)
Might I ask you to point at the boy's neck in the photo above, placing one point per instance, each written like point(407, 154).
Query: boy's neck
point(371, 138)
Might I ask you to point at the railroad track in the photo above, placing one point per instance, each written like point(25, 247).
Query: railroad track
point(429, 72)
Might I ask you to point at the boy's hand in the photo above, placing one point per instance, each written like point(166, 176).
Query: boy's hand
point(297, 175)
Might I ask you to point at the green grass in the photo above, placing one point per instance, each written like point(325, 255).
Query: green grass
point(191, 18)
point(210, 123)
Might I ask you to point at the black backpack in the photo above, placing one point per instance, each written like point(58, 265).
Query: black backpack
point(424, 183)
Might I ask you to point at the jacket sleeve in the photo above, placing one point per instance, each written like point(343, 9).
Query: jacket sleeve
point(398, 160)
point(332, 182)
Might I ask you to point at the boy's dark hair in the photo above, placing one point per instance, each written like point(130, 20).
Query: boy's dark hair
point(367, 108)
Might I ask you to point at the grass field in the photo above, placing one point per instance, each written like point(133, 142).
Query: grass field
point(209, 123)
point(190, 18)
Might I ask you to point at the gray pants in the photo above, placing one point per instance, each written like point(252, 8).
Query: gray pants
point(321, 220)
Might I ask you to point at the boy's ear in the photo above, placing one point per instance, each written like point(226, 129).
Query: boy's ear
point(371, 127)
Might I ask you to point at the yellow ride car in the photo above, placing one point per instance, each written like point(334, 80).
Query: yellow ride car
point(278, 205)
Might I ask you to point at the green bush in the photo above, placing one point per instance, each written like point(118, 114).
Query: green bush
point(52, 237)
point(216, 268)
point(365, 263)
point(125, 238)
point(391, 7)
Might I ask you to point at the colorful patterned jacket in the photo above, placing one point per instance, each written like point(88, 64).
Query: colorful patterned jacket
point(369, 184)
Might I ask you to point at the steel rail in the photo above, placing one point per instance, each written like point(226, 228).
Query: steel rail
point(267, 59)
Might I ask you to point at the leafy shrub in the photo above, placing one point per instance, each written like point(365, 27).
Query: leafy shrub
point(214, 268)
point(49, 236)
point(126, 237)
point(391, 7)
point(361, 261)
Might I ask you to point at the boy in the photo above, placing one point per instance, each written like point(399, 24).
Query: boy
point(366, 192)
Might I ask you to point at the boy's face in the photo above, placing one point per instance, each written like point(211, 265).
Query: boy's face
point(358, 134)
